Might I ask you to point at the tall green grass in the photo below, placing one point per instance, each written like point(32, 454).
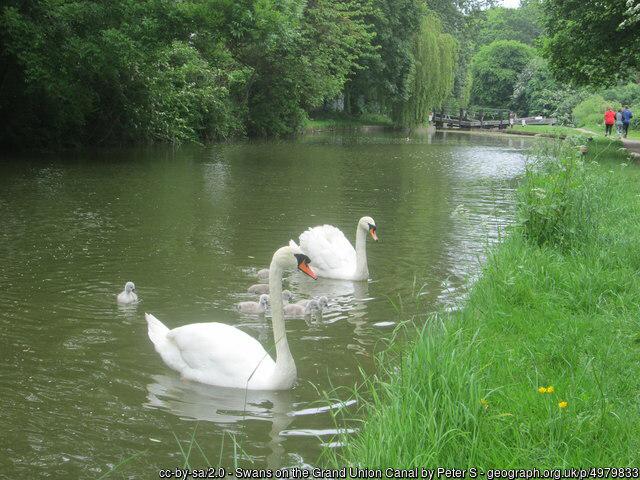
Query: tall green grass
point(558, 305)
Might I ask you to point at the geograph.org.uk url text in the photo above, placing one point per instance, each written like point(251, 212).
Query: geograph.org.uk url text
point(558, 473)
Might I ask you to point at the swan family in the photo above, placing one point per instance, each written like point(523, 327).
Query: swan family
point(225, 356)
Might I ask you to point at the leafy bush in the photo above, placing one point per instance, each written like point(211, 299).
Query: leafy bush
point(188, 98)
point(628, 94)
point(590, 111)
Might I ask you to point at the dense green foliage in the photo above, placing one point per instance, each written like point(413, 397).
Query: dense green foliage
point(385, 76)
point(591, 43)
point(590, 111)
point(417, 62)
point(556, 306)
point(521, 24)
point(536, 92)
point(495, 70)
point(85, 72)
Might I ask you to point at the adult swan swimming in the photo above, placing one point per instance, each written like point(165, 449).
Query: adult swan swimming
point(222, 355)
point(332, 253)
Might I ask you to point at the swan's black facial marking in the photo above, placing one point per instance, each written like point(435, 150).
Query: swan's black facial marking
point(303, 265)
point(301, 259)
point(372, 232)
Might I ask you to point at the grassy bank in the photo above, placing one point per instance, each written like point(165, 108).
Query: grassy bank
point(338, 121)
point(556, 130)
point(558, 305)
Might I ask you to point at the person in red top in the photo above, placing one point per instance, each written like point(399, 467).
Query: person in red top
point(609, 121)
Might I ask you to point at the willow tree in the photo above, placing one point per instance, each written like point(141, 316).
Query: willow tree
point(431, 81)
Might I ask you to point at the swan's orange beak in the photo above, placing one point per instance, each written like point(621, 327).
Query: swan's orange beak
point(372, 231)
point(305, 268)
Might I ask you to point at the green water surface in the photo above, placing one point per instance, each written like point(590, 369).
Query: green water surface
point(81, 385)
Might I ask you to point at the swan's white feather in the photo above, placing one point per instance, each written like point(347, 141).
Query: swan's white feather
point(213, 353)
point(332, 254)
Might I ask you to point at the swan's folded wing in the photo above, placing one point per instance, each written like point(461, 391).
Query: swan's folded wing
point(220, 350)
point(327, 247)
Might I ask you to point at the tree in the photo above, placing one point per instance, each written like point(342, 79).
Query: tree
point(495, 69)
point(536, 92)
point(432, 78)
point(592, 43)
point(499, 23)
point(385, 73)
point(454, 14)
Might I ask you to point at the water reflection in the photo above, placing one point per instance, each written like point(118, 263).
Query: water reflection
point(233, 408)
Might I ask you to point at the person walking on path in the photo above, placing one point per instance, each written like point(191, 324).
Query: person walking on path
point(626, 120)
point(619, 122)
point(609, 120)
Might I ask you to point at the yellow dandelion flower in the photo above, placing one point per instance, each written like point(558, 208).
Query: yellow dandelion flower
point(542, 390)
point(550, 389)
point(563, 404)
point(484, 403)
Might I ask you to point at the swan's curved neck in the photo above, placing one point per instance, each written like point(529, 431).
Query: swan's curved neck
point(285, 366)
point(362, 269)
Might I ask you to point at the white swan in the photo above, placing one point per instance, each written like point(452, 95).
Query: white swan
point(222, 355)
point(255, 308)
point(333, 256)
point(128, 295)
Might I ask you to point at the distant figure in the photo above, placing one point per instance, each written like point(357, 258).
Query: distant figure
point(627, 115)
point(609, 120)
point(524, 122)
point(512, 119)
point(619, 122)
point(128, 295)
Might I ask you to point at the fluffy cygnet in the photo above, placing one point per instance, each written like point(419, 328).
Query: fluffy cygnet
point(255, 308)
point(259, 288)
point(295, 310)
point(322, 302)
point(128, 295)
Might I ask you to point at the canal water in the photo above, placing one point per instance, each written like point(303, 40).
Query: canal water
point(82, 388)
